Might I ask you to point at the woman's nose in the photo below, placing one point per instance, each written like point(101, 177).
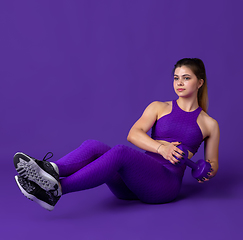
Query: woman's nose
point(180, 82)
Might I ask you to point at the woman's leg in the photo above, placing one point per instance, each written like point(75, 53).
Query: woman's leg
point(145, 176)
point(89, 151)
point(119, 188)
point(80, 157)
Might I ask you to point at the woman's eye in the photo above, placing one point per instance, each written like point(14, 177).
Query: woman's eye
point(187, 78)
point(175, 79)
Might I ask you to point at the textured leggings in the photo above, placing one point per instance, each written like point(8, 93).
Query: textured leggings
point(129, 173)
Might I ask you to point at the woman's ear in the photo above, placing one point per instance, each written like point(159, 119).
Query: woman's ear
point(201, 81)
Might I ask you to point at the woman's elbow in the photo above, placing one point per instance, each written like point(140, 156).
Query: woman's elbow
point(129, 137)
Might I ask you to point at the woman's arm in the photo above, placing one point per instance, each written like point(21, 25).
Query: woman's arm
point(138, 133)
point(211, 146)
point(139, 137)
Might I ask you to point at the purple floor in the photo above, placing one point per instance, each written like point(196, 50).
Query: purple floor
point(211, 210)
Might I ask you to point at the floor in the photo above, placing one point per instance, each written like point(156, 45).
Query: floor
point(209, 210)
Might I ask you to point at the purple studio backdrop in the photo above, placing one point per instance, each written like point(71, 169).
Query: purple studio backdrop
point(77, 70)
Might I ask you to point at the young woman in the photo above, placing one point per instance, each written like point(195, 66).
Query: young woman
point(152, 176)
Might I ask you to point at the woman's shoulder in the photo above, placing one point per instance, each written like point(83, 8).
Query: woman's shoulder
point(161, 108)
point(209, 121)
point(160, 104)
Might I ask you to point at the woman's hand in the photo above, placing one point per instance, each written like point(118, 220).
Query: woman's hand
point(214, 169)
point(169, 151)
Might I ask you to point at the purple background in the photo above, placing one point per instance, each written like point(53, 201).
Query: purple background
point(76, 70)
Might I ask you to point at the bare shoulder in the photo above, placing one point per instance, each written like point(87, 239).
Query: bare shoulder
point(159, 104)
point(162, 108)
point(211, 123)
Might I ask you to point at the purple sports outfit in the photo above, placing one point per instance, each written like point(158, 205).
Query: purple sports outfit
point(131, 174)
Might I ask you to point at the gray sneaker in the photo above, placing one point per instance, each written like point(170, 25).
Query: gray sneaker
point(46, 199)
point(43, 173)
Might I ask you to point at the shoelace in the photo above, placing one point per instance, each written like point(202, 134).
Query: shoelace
point(44, 159)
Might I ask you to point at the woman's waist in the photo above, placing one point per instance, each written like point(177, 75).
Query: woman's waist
point(190, 154)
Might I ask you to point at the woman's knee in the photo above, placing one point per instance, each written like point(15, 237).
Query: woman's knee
point(90, 142)
point(93, 144)
point(120, 148)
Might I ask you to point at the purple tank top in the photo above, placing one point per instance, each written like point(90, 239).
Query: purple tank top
point(180, 126)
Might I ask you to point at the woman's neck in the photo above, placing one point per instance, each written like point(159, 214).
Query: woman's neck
point(187, 104)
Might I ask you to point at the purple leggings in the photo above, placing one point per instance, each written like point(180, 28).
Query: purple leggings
point(129, 173)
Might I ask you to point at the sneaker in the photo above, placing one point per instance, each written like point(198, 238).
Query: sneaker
point(43, 173)
point(47, 199)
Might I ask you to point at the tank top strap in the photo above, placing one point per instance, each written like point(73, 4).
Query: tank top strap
point(197, 111)
point(175, 106)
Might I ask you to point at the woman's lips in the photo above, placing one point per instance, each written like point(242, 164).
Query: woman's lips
point(180, 89)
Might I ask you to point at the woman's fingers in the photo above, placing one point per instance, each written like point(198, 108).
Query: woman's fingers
point(181, 153)
point(176, 154)
point(210, 175)
point(173, 160)
point(178, 150)
point(211, 169)
point(203, 180)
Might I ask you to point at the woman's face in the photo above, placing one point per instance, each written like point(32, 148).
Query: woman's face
point(186, 83)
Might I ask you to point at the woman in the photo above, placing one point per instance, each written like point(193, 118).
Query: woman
point(153, 176)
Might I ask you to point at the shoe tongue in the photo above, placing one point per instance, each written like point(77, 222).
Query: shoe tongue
point(55, 167)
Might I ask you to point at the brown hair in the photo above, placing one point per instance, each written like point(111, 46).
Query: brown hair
point(198, 68)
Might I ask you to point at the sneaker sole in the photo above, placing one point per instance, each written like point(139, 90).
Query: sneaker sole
point(28, 168)
point(33, 198)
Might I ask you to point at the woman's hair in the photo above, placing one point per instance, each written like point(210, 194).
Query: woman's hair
point(198, 68)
